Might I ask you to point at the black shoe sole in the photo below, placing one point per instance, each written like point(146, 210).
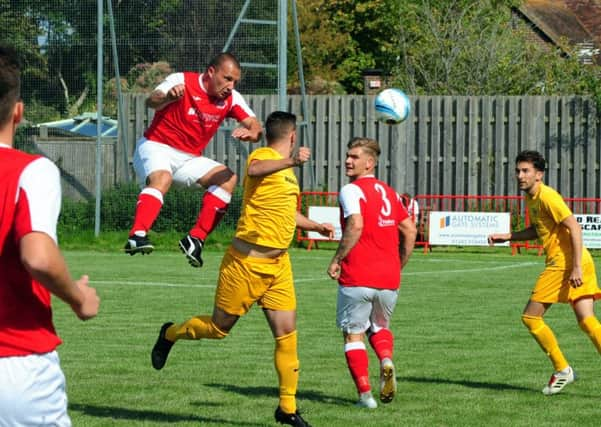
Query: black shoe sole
point(290, 419)
point(144, 250)
point(158, 355)
point(191, 260)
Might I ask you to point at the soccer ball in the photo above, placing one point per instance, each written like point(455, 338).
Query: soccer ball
point(392, 106)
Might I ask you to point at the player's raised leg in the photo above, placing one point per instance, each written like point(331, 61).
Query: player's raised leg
point(151, 161)
point(220, 182)
point(195, 328)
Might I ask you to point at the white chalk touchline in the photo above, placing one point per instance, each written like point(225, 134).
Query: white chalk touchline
point(310, 279)
point(472, 270)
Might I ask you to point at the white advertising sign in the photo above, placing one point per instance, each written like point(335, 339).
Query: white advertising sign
point(466, 228)
point(591, 230)
point(323, 214)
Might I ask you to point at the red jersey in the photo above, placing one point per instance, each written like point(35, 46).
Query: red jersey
point(374, 261)
point(29, 201)
point(189, 123)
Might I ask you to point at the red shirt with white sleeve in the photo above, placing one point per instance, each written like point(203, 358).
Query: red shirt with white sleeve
point(374, 261)
point(30, 199)
point(189, 123)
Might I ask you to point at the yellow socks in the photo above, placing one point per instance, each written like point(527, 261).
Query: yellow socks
point(546, 339)
point(194, 329)
point(287, 366)
point(592, 328)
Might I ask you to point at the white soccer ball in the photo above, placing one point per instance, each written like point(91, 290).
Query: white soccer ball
point(392, 106)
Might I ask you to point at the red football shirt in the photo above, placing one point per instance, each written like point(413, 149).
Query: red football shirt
point(189, 123)
point(375, 260)
point(30, 195)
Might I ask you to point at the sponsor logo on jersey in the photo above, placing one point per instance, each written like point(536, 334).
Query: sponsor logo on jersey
point(384, 222)
point(210, 118)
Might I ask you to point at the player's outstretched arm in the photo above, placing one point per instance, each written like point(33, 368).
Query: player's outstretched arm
point(258, 168)
point(251, 130)
point(525, 234)
point(325, 229)
point(43, 260)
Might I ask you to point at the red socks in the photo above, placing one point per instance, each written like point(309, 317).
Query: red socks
point(383, 343)
point(214, 205)
point(150, 202)
point(358, 364)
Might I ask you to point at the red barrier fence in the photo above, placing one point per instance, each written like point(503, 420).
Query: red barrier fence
point(515, 205)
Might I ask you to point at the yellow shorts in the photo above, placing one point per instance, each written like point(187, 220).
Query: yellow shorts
point(552, 286)
point(244, 280)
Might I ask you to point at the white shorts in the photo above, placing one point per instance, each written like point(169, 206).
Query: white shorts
point(185, 168)
point(32, 391)
point(360, 308)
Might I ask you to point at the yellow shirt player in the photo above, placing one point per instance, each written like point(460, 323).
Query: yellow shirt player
point(569, 275)
point(256, 267)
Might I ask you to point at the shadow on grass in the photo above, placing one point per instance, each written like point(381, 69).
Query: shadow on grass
point(273, 392)
point(465, 383)
point(117, 413)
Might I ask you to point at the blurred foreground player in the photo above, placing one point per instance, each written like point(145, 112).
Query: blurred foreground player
point(32, 384)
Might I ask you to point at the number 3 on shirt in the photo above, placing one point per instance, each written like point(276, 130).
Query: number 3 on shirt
point(386, 208)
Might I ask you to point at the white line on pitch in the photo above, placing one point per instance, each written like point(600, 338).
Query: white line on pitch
point(161, 284)
point(472, 270)
point(324, 277)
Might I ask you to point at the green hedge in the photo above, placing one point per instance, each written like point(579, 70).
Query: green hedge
point(117, 207)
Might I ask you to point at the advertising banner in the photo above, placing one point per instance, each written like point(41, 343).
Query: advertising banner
point(324, 214)
point(591, 230)
point(466, 228)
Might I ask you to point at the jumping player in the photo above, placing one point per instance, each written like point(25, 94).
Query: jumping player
point(377, 240)
point(190, 107)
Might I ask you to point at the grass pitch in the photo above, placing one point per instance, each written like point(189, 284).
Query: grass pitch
point(462, 356)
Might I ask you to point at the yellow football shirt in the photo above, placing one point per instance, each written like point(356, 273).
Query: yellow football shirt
point(547, 210)
point(269, 206)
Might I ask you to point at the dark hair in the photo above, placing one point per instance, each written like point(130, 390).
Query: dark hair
point(534, 157)
point(10, 82)
point(221, 58)
point(279, 124)
point(369, 146)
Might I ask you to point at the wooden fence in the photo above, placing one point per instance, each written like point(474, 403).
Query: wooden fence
point(457, 145)
point(449, 145)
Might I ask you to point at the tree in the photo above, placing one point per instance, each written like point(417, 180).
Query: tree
point(435, 47)
point(458, 47)
point(341, 38)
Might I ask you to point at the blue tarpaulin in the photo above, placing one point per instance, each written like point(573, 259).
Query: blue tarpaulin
point(85, 124)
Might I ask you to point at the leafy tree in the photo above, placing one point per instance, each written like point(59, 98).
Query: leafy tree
point(457, 47)
point(435, 47)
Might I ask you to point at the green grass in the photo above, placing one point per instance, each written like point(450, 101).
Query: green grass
point(463, 357)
